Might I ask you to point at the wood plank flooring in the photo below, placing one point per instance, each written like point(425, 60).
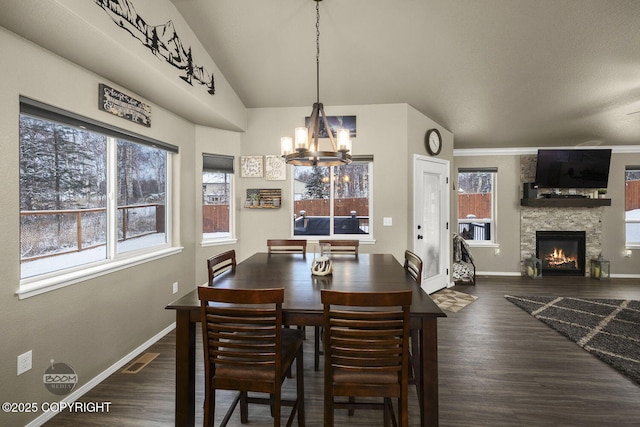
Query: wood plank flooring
point(498, 366)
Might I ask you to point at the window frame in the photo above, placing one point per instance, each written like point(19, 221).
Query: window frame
point(362, 238)
point(114, 261)
point(628, 244)
point(493, 221)
point(220, 163)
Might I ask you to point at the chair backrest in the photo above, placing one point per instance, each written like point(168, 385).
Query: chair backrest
point(287, 246)
point(242, 328)
point(220, 263)
point(369, 341)
point(413, 266)
point(343, 246)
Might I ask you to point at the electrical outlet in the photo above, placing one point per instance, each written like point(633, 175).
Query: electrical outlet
point(24, 362)
point(496, 251)
point(175, 287)
point(387, 221)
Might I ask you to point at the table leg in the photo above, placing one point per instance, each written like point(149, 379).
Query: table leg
point(428, 372)
point(185, 369)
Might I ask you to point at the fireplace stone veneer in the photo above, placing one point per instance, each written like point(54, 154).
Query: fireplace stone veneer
point(534, 219)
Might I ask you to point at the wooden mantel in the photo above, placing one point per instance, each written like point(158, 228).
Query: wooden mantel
point(562, 202)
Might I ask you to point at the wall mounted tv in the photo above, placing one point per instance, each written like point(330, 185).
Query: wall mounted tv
point(579, 168)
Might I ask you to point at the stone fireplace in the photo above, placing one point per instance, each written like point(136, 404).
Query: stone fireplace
point(585, 220)
point(562, 253)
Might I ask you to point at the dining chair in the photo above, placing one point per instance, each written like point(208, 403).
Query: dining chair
point(343, 246)
point(287, 246)
point(413, 266)
point(247, 349)
point(220, 263)
point(336, 247)
point(366, 348)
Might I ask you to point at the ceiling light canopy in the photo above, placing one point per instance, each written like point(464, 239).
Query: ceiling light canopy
point(304, 150)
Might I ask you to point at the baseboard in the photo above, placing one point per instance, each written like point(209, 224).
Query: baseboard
point(499, 273)
point(103, 375)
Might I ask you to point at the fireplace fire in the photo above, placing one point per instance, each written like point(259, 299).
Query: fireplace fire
point(561, 252)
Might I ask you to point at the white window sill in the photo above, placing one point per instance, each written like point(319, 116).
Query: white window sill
point(32, 287)
point(218, 242)
point(482, 244)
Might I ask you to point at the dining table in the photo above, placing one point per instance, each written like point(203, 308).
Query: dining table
point(303, 307)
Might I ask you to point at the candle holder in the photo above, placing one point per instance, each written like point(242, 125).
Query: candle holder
point(600, 268)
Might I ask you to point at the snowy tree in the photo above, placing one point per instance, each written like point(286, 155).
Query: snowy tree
point(317, 183)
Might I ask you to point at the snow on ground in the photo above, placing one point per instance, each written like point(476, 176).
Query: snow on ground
point(74, 259)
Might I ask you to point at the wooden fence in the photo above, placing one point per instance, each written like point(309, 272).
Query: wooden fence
point(632, 195)
point(343, 207)
point(478, 204)
point(215, 218)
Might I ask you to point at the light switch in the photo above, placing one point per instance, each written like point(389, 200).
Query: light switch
point(387, 221)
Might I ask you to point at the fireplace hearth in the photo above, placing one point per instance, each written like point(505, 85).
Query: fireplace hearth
point(562, 252)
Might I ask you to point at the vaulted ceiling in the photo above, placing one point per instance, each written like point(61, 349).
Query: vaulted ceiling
point(497, 73)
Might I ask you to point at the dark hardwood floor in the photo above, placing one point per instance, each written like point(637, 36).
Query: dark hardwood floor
point(498, 366)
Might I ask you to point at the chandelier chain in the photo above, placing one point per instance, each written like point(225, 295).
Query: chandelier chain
point(318, 50)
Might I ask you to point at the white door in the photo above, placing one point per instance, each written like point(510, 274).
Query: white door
point(431, 221)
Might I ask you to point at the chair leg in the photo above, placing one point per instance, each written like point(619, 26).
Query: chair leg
point(209, 406)
point(316, 350)
point(244, 407)
point(300, 386)
point(351, 409)
point(277, 406)
point(328, 401)
point(387, 414)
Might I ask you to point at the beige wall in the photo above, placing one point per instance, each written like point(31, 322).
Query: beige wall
point(92, 324)
point(212, 141)
point(509, 192)
point(381, 131)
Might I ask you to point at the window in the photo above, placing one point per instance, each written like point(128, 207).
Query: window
point(333, 201)
point(632, 206)
point(90, 194)
point(476, 204)
point(217, 197)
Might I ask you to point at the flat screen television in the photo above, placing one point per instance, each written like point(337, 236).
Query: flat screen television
point(579, 168)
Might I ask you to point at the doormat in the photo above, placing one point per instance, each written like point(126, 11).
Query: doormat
point(453, 301)
point(140, 363)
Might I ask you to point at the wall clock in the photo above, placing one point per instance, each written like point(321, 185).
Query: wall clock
point(433, 142)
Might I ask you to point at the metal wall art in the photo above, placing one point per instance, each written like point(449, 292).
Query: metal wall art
point(162, 40)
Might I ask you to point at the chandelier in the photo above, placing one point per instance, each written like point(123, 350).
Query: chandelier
point(305, 149)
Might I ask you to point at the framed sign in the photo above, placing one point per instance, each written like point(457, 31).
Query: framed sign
point(122, 105)
point(251, 167)
point(275, 168)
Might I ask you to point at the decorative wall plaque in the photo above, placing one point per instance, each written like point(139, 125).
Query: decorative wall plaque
point(122, 105)
point(251, 167)
point(275, 168)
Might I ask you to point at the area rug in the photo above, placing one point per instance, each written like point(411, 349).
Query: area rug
point(453, 301)
point(606, 328)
